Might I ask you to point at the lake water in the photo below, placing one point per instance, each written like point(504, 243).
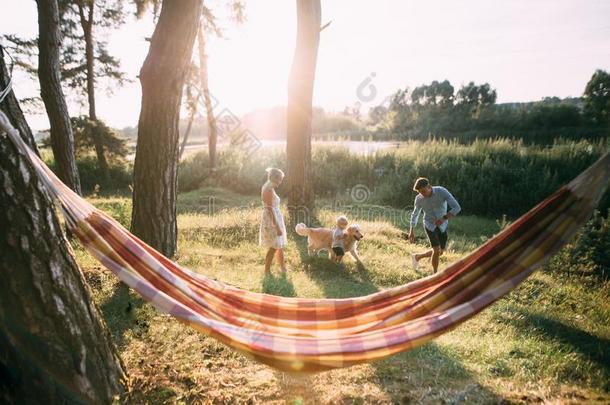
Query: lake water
point(357, 147)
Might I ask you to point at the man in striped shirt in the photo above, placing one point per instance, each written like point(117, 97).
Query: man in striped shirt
point(433, 201)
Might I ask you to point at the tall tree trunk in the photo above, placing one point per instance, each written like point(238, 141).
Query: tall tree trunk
point(54, 345)
point(62, 139)
point(185, 137)
point(156, 163)
point(11, 106)
point(87, 25)
point(203, 74)
point(300, 94)
point(192, 103)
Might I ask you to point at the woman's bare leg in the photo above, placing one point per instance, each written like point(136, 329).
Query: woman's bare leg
point(269, 259)
point(280, 258)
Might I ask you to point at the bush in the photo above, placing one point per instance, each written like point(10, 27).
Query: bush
point(589, 253)
point(91, 178)
point(491, 177)
point(592, 248)
point(236, 170)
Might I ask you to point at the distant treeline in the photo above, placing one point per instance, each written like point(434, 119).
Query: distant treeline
point(437, 110)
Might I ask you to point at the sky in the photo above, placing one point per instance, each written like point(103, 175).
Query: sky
point(526, 50)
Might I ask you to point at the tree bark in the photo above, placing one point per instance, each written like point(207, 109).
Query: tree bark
point(54, 345)
point(156, 163)
point(62, 139)
point(299, 112)
point(12, 108)
point(185, 137)
point(87, 26)
point(203, 74)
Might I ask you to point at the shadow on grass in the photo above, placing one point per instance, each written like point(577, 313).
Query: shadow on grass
point(297, 389)
point(594, 348)
point(121, 312)
point(429, 374)
point(278, 284)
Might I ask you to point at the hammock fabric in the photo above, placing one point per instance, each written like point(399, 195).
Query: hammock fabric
point(305, 335)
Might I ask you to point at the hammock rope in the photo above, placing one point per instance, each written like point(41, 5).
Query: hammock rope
point(305, 335)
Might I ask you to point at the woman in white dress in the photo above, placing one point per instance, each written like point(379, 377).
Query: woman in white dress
point(272, 233)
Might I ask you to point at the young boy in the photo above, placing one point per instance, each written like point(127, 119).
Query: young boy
point(433, 201)
point(339, 238)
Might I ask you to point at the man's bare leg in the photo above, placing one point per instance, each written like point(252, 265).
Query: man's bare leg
point(437, 252)
point(419, 256)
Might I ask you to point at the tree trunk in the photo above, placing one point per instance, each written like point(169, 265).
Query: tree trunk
point(185, 137)
point(54, 345)
point(62, 139)
point(12, 108)
point(203, 74)
point(300, 94)
point(87, 25)
point(156, 163)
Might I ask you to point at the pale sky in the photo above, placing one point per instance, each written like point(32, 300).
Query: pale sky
point(526, 50)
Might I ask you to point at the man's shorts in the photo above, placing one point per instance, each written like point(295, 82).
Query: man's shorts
point(437, 238)
point(338, 250)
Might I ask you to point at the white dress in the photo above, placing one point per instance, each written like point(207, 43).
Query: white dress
point(267, 236)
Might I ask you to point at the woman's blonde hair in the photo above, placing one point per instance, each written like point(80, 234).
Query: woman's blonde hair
point(273, 174)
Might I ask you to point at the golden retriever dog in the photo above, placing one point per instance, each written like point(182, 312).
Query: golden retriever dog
point(322, 239)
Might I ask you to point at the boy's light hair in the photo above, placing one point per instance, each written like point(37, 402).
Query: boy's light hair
point(421, 183)
point(341, 221)
point(273, 174)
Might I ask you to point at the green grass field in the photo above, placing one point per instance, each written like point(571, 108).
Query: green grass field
point(548, 341)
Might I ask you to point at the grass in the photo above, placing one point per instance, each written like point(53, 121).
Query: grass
point(548, 341)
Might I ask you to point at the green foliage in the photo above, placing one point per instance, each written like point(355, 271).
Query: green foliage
point(436, 93)
point(475, 96)
point(488, 177)
point(104, 15)
point(596, 98)
point(377, 114)
point(589, 254)
point(107, 15)
point(87, 131)
point(472, 113)
point(92, 179)
point(236, 171)
point(324, 122)
point(143, 5)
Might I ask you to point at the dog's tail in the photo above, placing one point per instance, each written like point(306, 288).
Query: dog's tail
point(302, 229)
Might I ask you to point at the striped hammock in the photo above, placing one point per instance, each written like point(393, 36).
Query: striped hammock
point(306, 335)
